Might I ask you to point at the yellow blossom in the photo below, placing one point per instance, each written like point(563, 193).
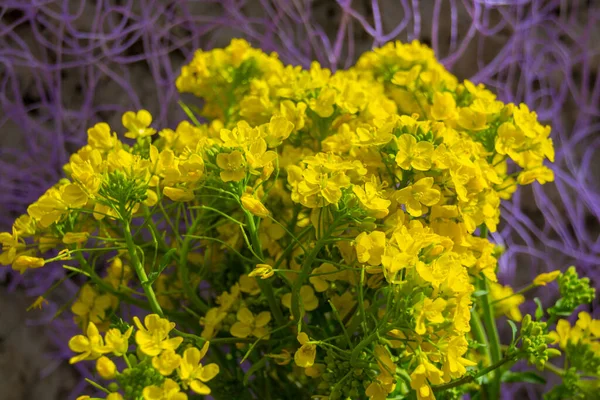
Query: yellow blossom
point(138, 124)
point(255, 206)
point(167, 362)
point(248, 324)
point(370, 247)
point(118, 342)
point(419, 195)
point(444, 106)
point(371, 199)
point(169, 390)
point(178, 194)
point(23, 263)
point(263, 271)
point(106, 368)
point(506, 301)
point(193, 373)
point(430, 310)
point(544, 278)
point(75, 237)
point(91, 346)
point(305, 355)
point(38, 303)
point(413, 154)
point(307, 294)
point(153, 337)
point(233, 166)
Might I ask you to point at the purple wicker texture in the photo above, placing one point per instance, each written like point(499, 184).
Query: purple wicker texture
point(65, 65)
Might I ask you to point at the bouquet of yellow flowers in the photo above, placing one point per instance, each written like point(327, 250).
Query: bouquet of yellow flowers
point(321, 235)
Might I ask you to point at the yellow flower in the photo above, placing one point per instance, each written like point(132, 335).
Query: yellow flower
point(444, 106)
point(413, 154)
point(75, 237)
point(106, 368)
point(587, 324)
point(455, 363)
point(307, 294)
point(279, 127)
point(23, 263)
point(169, 390)
point(212, 322)
point(233, 166)
point(370, 247)
point(323, 104)
point(545, 278)
point(263, 271)
point(430, 310)
point(542, 174)
point(91, 306)
point(247, 324)
point(114, 396)
point(305, 355)
point(472, 120)
point(419, 195)
point(379, 390)
point(99, 137)
point(371, 199)
point(179, 194)
point(193, 373)
point(167, 362)
point(118, 342)
point(255, 206)
point(138, 124)
point(10, 246)
point(562, 334)
point(153, 338)
point(91, 346)
point(420, 378)
point(506, 301)
point(38, 303)
point(321, 276)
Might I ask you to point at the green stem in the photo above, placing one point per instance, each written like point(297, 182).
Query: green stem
point(265, 286)
point(471, 378)
point(139, 269)
point(184, 271)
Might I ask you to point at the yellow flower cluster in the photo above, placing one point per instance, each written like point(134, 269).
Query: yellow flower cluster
point(160, 365)
point(338, 220)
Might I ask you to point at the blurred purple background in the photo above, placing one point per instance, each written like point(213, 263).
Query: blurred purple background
point(65, 65)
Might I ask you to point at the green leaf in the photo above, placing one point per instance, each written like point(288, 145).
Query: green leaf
point(527, 376)
point(539, 311)
point(479, 293)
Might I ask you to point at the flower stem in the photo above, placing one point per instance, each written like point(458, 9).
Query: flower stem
point(139, 269)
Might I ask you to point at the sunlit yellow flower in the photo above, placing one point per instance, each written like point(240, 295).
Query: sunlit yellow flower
point(169, 390)
point(413, 154)
point(419, 195)
point(167, 362)
point(106, 367)
point(153, 337)
point(91, 346)
point(193, 373)
point(138, 124)
point(118, 342)
point(233, 166)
